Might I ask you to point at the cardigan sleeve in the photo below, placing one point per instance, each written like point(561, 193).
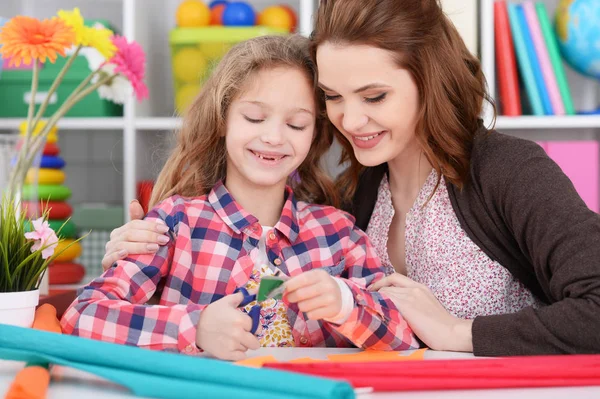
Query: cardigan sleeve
point(560, 236)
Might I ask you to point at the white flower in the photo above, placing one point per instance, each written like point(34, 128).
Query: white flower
point(118, 89)
point(93, 56)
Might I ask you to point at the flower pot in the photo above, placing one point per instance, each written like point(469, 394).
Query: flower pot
point(18, 308)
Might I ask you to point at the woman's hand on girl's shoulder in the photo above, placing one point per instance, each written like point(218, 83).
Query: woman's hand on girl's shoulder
point(135, 237)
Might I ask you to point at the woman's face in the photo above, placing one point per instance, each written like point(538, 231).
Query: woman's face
point(370, 100)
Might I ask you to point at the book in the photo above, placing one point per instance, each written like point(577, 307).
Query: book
point(555, 58)
point(506, 63)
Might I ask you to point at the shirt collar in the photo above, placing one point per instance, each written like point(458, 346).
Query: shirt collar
point(238, 219)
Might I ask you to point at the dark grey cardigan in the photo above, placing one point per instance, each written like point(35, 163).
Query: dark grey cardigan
point(523, 212)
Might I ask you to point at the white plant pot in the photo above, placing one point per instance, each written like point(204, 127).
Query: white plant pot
point(18, 308)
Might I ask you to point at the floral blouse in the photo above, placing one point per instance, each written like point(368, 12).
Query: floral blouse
point(440, 255)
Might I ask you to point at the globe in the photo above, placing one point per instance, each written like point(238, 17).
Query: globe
point(578, 32)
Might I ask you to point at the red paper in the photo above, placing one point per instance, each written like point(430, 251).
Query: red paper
point(513, 372)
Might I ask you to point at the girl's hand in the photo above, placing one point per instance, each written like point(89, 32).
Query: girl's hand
point(316, 293)
point(224, 330)
point(136, 237)
point(429, 320)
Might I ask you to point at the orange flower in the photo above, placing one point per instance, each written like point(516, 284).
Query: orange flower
point(24, 39)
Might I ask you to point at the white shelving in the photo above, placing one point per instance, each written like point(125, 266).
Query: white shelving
point(149, 22)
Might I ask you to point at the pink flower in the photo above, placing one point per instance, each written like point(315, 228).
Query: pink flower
point(44, 236)
point(131, 63)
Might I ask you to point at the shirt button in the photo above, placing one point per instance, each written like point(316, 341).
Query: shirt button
point(272, 236)
point(359, 297)
point(277, 261)
point(303, 340)
point(189, 349)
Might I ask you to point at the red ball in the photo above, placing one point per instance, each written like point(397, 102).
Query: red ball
point(292, 13)
point(216, 14)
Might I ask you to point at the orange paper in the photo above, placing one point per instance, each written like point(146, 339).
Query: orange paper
point(257, 361)
point(32, 382)
point(377, 356)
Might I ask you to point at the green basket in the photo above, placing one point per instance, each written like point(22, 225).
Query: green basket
point(196, 51)
point(15, 89)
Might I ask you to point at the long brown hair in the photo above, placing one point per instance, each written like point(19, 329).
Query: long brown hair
point(198, 160)
point(449, 78)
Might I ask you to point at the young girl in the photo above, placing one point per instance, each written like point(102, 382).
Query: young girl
point(487, 244)
point(224, 198)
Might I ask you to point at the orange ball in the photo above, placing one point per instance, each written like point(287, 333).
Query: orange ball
point(275, 17)
point(216, 14)
point(192, 13)
point(292, 13)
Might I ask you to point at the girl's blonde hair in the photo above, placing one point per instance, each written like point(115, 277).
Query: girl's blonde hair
point(198, 160)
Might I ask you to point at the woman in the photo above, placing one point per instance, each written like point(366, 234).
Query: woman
point(488, 246)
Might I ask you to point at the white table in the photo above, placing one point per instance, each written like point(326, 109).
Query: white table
point(69, 383)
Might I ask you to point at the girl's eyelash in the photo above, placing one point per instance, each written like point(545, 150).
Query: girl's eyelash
point(331, 98)
point(252, 120)
point(300, 128)
point(378, 99)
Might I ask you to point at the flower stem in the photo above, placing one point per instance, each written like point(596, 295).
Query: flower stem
point(67, 105)
point(55, 85)
point(17, 176)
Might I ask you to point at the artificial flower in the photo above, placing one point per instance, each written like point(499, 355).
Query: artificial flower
point(25, 39)
point(130, 62)
point(93, 57)
point(97, 36)
point(118, 89)
point(44, 237)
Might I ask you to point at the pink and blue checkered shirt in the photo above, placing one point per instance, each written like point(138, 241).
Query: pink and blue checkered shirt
point(211, 254)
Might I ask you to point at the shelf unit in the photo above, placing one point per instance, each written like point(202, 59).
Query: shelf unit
point(148, 22)
point(145, 125)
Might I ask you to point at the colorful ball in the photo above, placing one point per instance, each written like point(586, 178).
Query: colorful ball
point(192, 13)
point(189, 65)
point(185, 95)
point(215, 3)
point(45, 176)
point(239, 14)
point(216, 14)
point(293, 15)
point(214, 50)
point(276, 17)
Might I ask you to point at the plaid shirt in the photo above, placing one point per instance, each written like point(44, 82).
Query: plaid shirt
point(211, 253)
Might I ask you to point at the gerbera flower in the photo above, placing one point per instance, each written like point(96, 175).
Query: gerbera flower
point(118, 89)
point(97, 37)
point(25, 39)
point(131, 63)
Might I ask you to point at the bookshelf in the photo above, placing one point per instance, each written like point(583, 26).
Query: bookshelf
point(584, 90)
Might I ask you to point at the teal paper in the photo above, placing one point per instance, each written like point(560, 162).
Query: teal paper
point(164, 375)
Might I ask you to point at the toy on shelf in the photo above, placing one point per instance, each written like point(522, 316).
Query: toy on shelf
point(195, 14)
point(198, 43)
point(192, 13)
point(52, 195)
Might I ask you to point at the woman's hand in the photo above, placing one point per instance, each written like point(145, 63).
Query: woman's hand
point(429, 320)
point(136, 237)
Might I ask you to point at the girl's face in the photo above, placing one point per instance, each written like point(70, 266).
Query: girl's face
point(370, 100)
point(270, 128)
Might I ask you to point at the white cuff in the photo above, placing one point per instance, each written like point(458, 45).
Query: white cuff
point(347, 303)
